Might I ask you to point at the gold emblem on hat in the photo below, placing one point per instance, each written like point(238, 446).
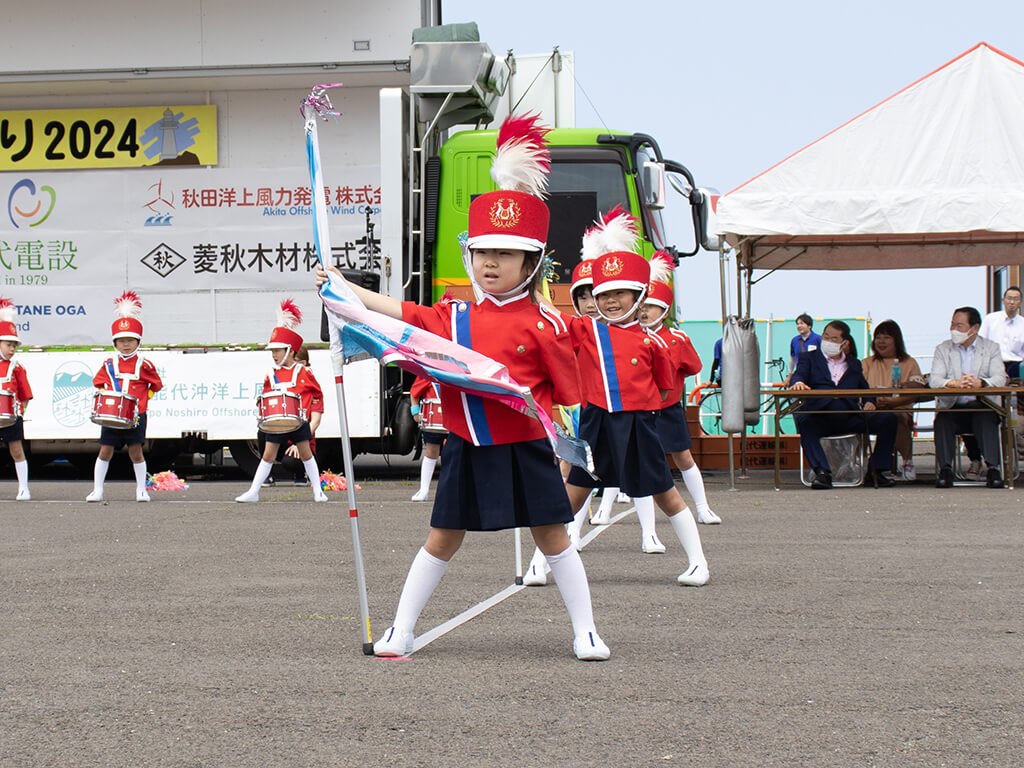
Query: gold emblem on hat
point(505, 213)
point(586, 269)
point(612, 266)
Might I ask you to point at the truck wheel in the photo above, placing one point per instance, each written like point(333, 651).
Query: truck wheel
point(247, 455)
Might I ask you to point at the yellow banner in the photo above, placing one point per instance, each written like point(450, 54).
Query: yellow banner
point(108, 137)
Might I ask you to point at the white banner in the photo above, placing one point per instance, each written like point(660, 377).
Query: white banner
point(214, 393)
point(175, 231)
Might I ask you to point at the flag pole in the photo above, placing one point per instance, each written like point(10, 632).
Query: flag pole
point(315, 105)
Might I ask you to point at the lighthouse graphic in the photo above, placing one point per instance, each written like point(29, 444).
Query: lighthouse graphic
point(167, 139)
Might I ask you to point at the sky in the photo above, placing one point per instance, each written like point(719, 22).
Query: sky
point(730, 87)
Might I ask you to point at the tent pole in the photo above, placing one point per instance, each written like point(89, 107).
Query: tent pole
point(722, 269)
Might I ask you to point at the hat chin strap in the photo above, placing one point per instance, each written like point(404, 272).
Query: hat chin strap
point(658, 322)
point(467, 262)
point(634, 310)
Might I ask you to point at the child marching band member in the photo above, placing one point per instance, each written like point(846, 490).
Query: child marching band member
point(288, 376)
point(671, 420)
point(14, 386)
point(422, 392)
point(626, 373)
point(499, 470)
point(131, 374)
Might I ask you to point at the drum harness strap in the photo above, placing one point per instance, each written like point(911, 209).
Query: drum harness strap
point(116, 378)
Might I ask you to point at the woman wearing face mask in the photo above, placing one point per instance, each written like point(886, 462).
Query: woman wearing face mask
point(835, 366)
point(889, 365)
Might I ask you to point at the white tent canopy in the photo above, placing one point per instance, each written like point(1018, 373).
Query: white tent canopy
point(931, 177)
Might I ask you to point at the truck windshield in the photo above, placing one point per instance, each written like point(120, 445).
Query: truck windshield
point(605, 178)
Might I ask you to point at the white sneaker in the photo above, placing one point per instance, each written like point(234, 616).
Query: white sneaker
point(707, 517)
point(622, 498)
point(601, 517)
point(590, 647)
point(319, 496)
point(651, 545)
point(23, 495)
point(420, 495)
point(142, 495)
point(975, 471)
point(248, 497)
point(394, 644)
point(96, 495)
point(574, 537)
point(536, 575)
point(909, 473)
point(695, 576)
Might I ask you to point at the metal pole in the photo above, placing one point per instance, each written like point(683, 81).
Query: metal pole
point(350, 487)
point(322, 238)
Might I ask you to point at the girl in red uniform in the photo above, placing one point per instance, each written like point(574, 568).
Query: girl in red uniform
point(626, 373)
point(671, 421)
point(499, 470)
point(289, 376)
point(130, 373)
point(14, 384)
point(425, 391)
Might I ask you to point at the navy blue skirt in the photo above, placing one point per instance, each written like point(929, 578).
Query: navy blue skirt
point(433, 438)
point(494, 487)
point(627, 452)
point(295, 436)
point(13, 433)
point(672, 430)
point(118, 438)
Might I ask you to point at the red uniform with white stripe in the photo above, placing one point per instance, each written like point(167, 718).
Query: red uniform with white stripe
point(299, 380)
point(14, 379)
point(622, 367)
point(137, 379)
point(530, 340)
point(684, 358)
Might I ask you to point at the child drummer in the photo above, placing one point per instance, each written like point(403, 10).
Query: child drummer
point(131, 374)
point(16, 393)
point(289, 376)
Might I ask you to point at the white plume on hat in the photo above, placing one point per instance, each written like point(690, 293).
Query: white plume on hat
point(522, 162)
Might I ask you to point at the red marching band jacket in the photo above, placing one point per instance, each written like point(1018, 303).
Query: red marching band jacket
point(530, 340)
point(622, 368)
point(299, 380)
point(13, 379)
point(684, 358)
point(135, 376)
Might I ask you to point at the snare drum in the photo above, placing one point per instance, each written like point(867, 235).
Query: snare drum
point(117, 410)
point(10, 409)
point(280, 412)
point(430, 416)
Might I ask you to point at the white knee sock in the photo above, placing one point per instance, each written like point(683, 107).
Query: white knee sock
point(99, 474)
point(21, 470)
point(577, 521)
point(695, 487)
point(424, 574)
point(262, 473)
point(426, 473)
point(313, 474)
point(686, 529)
point(607, 499)
point(571, 578)
point(645, 514)
point(140, 475)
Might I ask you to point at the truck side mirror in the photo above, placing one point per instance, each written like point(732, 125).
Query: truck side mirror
point(652, 182)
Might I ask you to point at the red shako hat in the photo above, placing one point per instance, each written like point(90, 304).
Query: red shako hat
point(8, 330)
point(620, 266)
point(128, 310)
point(660, 291)
point(515, 216)
point(284, 336)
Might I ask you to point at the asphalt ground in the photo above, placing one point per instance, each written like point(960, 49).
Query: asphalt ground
point(853, 627)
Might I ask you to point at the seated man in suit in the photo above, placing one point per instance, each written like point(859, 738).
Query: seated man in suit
point(834, 365)
point(966, 362)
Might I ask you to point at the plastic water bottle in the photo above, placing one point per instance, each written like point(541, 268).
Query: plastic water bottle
point(896, 375)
